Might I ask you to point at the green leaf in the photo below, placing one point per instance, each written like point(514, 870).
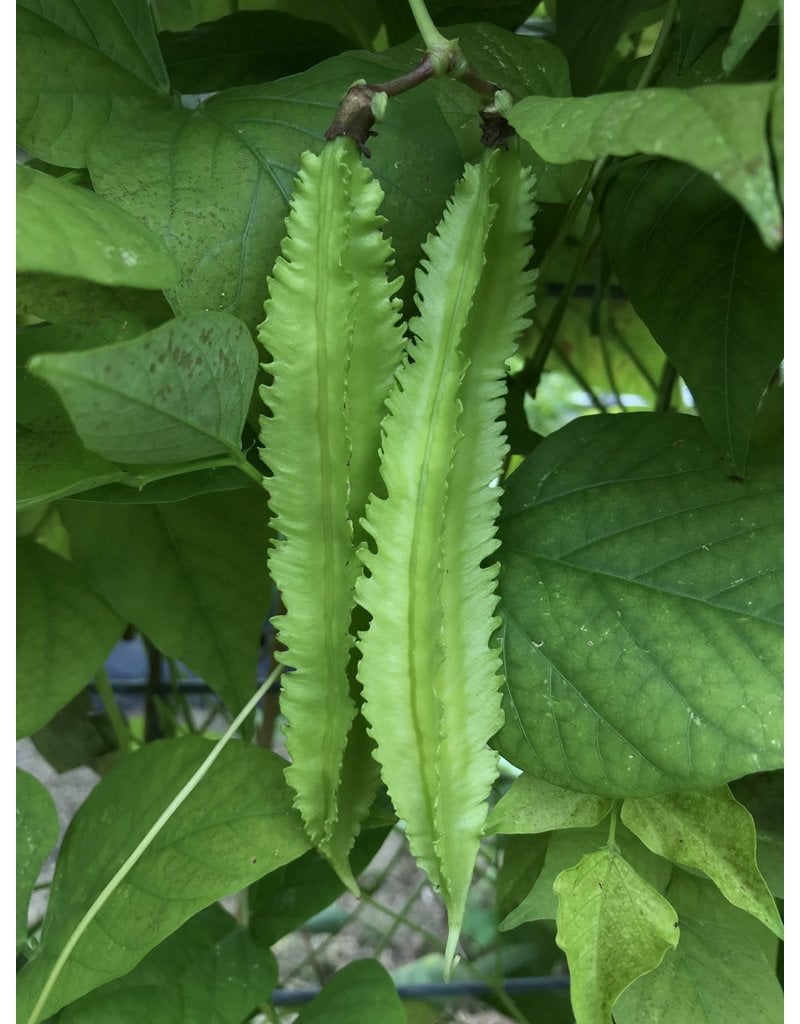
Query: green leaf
point(209, 969)
point(533, 805)
point(285, 899)
point(699, 23)
point(717, 974)
point(754, 17)
point(718, 129)
point(190, 574)
point(776, 130)
point(64, 299)
point(37, 832)
point(360, 993)
point(77, 735)
point(428, 674)
point(712, 832)
point(706, 287)
point(359, 24)
point(64, 229)
point(53, 463)
point(80, 66)
point(65, 631)
point(237, 826)
point(564, 849)
point(587, 32)
point(246, 48)
point(188, 383)
point(174, 172)
point(613, 926)
point(641, 596)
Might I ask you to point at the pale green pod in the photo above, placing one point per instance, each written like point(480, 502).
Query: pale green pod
point(430, 678)
point(330, 303)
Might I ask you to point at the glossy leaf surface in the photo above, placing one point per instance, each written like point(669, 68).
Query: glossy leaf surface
point(641, 600)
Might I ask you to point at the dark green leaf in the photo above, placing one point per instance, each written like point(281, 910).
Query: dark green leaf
point(64, 229)
point(78, 735)
point(641, 594)
point(190, 574)
point(53, 463)
point(65, 631)
point(588, 30)
point(37, 832)
point(700, 22)
point(718, 129)
point(717, 975)
point(360, 993)
point(81, 65)
point(711, 294)
point(178, 393)
point(172, 488)
point(234, 828)
point(753, 18)
point(287, 898)
point(63, 299)
point(207, 970)
point(246, 48)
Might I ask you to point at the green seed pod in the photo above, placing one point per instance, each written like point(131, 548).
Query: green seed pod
point(333, 334)
point(430, 678)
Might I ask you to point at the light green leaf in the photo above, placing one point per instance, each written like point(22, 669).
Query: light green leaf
point(190, 574)
point(564, 849)
point(209, 969)
point(177, 393)
point(64, 229)
point(718, 129)
point(614, 927)
point(360, 993)
point(81, 65)
point(642, 595)
point(533, 805)
point(712, 295)
point(37, 832)
point(333, 337)
point(428, 674)
point(717, 975)
point(235, 827)
point(65, 631)
point(754, 17)
point(776, 130)
point(713, 832)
